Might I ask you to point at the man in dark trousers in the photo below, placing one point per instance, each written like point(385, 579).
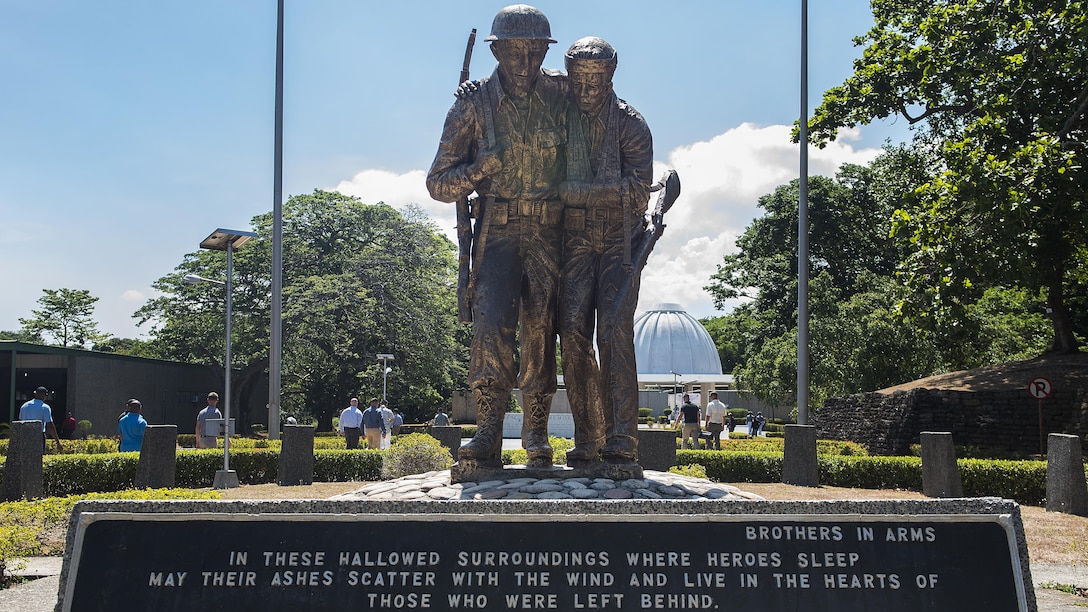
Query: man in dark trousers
point(690, 416)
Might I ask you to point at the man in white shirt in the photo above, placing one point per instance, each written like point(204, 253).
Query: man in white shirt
point(388, 418)
point(716, 413)
point(351, 423)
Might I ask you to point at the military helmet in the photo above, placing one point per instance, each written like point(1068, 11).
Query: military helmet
point(520, 21)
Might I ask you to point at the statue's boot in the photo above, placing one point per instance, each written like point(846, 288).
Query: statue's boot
point(585, 453)
point(535, 435)
point(486, 446)
point(620, 449)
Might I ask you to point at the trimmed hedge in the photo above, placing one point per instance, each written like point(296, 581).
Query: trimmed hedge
point(1022, 481)
point(100, 473)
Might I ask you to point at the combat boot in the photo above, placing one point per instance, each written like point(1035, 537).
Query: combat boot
point(585, 454)
point(486, 446)
point(620, 449)
point(535, 434)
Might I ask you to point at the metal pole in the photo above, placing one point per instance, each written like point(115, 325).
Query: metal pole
point(275, 342)
point(11, 394)
point(385, 375)
point(226, 363)
point(802, 237)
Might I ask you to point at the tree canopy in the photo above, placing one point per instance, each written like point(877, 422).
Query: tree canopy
point(358, 280)
point(863, 338)
point(66, 318)
point(1000, 90)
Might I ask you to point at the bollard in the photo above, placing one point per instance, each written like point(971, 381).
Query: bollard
point(158, 458)
point(799, 463)
point(296, 466)
point(1066, 489)
point(657, 449)
point(449, 436)
point(940, 472)
point(23, 467)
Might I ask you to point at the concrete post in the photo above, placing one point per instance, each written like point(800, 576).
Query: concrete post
point(799, 464)
point(296, 465)
point(940, 473)
point(23, 468)
point(657, 449)
point(1066, 489)
point(449, 436)
point(158, 458)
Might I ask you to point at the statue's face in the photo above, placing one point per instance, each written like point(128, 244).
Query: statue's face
point(520, 60)
point(589, 89)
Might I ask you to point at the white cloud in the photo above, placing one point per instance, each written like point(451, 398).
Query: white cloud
point(133, 295)
point(722, 181)
point(398, 191)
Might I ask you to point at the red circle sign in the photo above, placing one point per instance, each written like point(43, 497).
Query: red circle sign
point(1039, 388)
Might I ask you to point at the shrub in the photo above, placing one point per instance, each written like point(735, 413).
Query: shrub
point(693, 470)
point(645, 412)
point(83, 427)
point(415, 454)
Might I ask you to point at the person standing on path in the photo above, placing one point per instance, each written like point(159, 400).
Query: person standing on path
point(37, 410)
point(351, 423)
point(715, 419)
point(689, 412)
point(211, 411)
point(373, 425)
point(131, 426)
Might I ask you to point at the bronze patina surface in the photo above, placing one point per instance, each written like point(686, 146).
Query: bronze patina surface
point(562, 171)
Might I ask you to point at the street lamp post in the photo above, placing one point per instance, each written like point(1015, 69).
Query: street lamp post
point(385, 358)
point(224, 240)
point(675, 382)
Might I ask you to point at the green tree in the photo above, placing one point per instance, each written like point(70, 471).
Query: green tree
point(358, 280)
point(65, 318)
point(1000, 89)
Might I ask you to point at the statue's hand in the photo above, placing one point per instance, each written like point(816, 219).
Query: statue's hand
point(466, 89)
point(487, 164)
point(575, 192)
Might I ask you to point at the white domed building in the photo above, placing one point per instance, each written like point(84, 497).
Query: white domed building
point(672, 347)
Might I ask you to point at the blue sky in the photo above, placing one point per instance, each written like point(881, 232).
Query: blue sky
point(129, 130)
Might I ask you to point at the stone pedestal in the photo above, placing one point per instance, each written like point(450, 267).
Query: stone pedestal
point(449, 436)
point(1066, 490)
point(23, 468)
point(940, 474)
point(158, 458)
point(657, 449)
point(470, 471)
point(296, 466)
point(799, 464)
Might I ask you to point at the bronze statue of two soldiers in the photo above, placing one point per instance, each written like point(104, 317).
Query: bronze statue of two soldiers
point(562, 169)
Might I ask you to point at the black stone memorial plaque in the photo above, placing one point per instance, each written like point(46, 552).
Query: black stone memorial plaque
point(238, 561)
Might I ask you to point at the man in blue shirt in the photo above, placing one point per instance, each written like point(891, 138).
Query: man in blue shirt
point(131, 426)
point(37, 410)
point(351, 419)
point(373, 425)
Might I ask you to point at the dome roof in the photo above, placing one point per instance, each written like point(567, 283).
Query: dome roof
point(667, 340)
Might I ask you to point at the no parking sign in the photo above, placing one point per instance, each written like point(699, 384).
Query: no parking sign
point(1039, 388)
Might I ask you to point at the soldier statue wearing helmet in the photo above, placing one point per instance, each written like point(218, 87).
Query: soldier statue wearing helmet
point(508, 144)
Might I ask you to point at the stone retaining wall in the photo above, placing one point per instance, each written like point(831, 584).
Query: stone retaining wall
point(1005, 420)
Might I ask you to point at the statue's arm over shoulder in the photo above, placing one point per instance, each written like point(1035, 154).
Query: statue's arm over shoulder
point(636, 150)
point(453, 175)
